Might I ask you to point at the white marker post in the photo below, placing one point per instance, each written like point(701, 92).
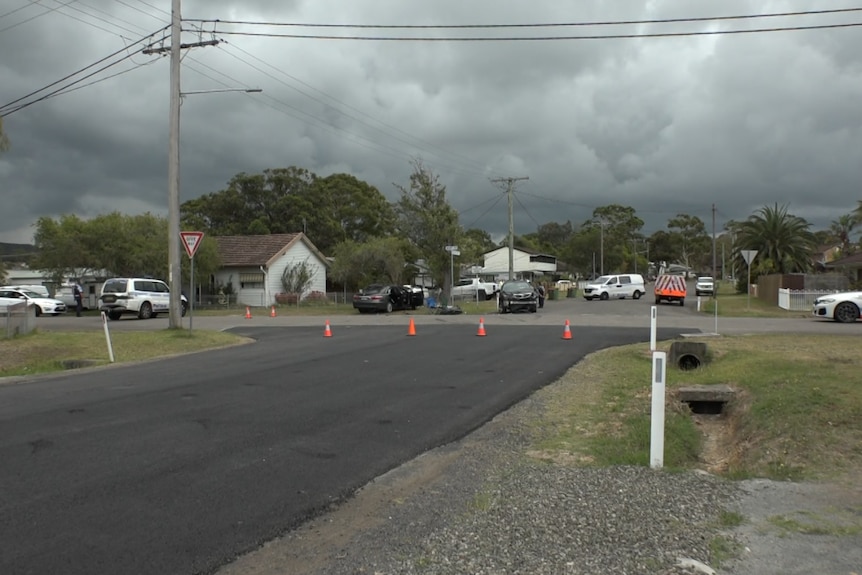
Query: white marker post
point(656, 444)
point(108, 337)
point(652, 327)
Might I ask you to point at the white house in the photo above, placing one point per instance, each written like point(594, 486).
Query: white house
point(526, 264)
point(253, 265)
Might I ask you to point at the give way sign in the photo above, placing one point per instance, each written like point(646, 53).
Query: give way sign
point(191, 241)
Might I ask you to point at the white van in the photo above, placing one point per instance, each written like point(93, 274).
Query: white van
point(618, 286)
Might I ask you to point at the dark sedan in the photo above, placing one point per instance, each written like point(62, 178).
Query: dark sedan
point(518, 295)
point(385, 298)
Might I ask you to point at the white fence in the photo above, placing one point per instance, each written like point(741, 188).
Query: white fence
point(799, 300)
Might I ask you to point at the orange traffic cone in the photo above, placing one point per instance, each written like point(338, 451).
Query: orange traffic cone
point(272, 312)
point(326, 331)
point(247, 312)
point(567, 332)
point(411, 330)
point(481, 331)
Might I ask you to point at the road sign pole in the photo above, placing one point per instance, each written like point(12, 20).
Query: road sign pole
point(192, 295)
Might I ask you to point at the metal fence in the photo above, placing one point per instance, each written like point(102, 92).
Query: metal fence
point(799, 300)
point(18, 319)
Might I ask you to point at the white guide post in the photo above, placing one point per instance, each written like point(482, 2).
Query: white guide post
point(656, 444)
point(652, 327)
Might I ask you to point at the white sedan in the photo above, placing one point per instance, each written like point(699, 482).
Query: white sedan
point(42, 304)
point(842, 307)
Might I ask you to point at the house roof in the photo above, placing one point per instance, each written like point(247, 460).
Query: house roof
point(240, 251)
point(854, 260)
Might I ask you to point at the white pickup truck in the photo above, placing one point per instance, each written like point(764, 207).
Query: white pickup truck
point(474, 288)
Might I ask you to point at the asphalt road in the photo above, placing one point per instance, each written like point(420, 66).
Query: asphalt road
point(179, 465)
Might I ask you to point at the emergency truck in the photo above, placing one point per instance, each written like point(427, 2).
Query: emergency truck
point(670, 288)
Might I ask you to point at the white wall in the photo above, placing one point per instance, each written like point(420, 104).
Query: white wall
point(497, 262)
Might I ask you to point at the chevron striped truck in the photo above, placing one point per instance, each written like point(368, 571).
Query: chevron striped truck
point(670, 288)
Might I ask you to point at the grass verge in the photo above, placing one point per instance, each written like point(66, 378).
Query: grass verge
point(797, 412)
point(44, 352)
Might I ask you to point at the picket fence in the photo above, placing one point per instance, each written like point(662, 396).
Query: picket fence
point(799, 300)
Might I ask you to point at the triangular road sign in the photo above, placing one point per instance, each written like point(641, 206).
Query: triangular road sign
point(191, 241)
point(748, 255)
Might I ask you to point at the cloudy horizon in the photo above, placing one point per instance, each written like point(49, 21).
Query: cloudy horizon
point(665, 125)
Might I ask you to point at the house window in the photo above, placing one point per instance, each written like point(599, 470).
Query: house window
point(252, 280)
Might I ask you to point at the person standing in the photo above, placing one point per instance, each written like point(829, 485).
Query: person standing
point(541, 290)
point(79, 298)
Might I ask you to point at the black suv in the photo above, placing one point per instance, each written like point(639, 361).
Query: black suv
point(518, 294)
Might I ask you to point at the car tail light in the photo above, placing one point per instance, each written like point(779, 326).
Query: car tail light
point(376, 297)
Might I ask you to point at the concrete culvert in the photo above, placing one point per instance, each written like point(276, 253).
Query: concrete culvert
point(688, 355)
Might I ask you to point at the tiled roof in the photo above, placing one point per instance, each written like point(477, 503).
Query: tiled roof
point(252, 250)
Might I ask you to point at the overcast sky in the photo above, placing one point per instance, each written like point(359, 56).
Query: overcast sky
point(665, 125)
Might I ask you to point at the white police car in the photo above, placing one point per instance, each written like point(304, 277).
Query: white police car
point(143, 297)
point(42, 305)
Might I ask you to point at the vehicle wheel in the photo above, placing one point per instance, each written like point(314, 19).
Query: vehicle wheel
point(682, 301)
point(604, 296)
point(113, 316)
point(657, 300)
point(846, 312)
point(636, 295)
point(146, 311)
point(533, 309)
point(482, 295)
point(38, 311)
point(389, 307)
point(184, 308)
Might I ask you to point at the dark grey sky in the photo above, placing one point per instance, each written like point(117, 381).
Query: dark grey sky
point(665, 125)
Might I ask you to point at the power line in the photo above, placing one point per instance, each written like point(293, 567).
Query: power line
point(527, 25)
point(11, 108)
point(48, 11)
point(540, 38)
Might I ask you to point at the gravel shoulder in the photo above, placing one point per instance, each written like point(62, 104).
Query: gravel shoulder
point(485, 504)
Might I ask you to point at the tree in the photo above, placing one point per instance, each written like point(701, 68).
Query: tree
point(615, 226)
point(287, 200)
point(379, 260)
point(783, 241)
point(112, 244)
point(428, 222)
point(553, 237)
point(841, 231)
point(694, 243)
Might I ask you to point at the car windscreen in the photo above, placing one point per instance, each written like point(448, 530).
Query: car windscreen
point(29, 293)
point(374, 289)
point(115, 286)
point(517, 286)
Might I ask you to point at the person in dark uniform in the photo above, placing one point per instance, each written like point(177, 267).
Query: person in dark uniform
point(541, 290)
point(79, 298)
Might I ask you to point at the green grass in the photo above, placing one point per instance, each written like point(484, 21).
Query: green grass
point(840, 525)
point(44, 352)
point(797, 412)
point(740, 305)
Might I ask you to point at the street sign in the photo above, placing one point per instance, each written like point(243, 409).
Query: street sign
point(456, 253)
point(191, 241)
point(451, 248)
point(748, 255)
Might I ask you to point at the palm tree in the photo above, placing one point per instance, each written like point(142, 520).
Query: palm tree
point(841, 231)
point(857, 213)
point(783, 241)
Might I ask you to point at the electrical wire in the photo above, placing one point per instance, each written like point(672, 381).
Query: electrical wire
point(528, 25)
point(46, 12)
point(422, 144)
point(11, 108)
point(541, 38)
point(496, 201)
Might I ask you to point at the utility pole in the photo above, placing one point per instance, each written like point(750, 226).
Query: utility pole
point(510, 190)
point(174, 270)
point(714, 251)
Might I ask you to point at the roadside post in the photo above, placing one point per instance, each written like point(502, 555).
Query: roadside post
point(656, 443)
point(108, 337)
point(453, 251)
point(652, 327)
point(191, 241)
